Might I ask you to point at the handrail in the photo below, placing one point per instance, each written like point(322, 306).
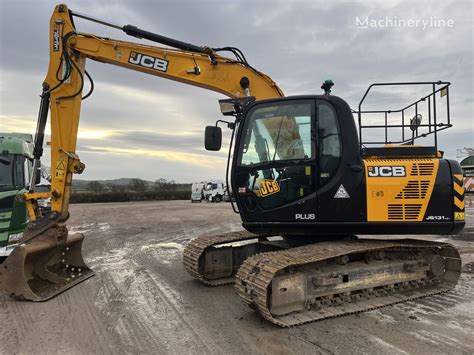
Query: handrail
point(433, 126)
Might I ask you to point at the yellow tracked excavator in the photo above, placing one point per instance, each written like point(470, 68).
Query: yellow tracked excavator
point(307, 183)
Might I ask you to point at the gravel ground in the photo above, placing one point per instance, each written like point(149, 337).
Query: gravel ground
point(143, 301)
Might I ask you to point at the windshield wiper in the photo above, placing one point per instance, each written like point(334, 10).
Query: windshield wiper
point(277, 139)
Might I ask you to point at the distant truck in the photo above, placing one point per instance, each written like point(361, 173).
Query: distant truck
point(197, 192)
point(16, 153)
point(214, 191)
point(16, 168)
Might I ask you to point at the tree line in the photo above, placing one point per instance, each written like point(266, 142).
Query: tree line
point(135, 190)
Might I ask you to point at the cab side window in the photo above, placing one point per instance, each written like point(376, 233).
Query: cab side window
point(329, 138)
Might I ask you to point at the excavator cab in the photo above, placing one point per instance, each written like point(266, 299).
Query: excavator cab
point(290, 154)
point(301, 167)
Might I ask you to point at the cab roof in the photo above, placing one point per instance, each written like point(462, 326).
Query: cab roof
point(16, 143)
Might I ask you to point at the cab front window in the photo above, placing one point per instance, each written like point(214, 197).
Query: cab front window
point(275, 132)
point(277, 152)
point(11, 172)
point(7, 162)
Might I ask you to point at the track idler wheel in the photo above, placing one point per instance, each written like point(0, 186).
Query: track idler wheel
point(44, 266)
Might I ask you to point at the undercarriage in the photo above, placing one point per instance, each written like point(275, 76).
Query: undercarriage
point(291, 281)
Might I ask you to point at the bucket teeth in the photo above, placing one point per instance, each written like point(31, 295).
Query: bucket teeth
point(44, 266)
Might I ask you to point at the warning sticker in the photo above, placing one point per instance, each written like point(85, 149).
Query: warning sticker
point(341, 192)
point(60, 165)
point(60, 169)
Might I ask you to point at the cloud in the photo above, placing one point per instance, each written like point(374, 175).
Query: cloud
point(191, 159)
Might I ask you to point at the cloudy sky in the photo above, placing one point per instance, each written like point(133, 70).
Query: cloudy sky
point(137, 125)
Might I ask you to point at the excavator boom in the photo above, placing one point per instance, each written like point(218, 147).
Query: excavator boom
point(66, 78)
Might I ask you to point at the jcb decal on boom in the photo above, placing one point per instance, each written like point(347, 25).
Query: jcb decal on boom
point(56, 38)
point(147, 61)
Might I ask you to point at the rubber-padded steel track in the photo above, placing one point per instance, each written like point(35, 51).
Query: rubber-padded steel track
point(195, 249)
point(254, 278)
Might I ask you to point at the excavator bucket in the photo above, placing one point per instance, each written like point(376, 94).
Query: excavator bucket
point(48, 263)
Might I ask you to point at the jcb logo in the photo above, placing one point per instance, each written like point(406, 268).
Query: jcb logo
point(56, 38)
point(148, 61)
point(268, 187)
point(386, 171)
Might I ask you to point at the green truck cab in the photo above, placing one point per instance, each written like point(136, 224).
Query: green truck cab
point(16, 153)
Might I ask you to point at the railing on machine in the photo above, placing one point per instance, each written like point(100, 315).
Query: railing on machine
point(415, 122)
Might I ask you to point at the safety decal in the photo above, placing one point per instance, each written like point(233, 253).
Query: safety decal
point(60, 169)
point(268, 187)
point(341, 192)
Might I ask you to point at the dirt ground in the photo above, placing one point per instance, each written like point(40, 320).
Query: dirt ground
point(143, 301)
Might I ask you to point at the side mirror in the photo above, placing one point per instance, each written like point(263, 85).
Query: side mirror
point(213, 138)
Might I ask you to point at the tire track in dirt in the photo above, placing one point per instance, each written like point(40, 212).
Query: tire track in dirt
point(94, 321)
point(115, 305)
point(10, 336)
point(37, 323)
point(135, 330)
point(121, 322)
point(21, 315)
point(164, 294)
point(117, 294)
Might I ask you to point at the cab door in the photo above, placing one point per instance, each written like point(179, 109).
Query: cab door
point(276, 174)
point(341, 184)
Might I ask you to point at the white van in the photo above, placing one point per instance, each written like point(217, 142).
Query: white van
point(197, 193)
